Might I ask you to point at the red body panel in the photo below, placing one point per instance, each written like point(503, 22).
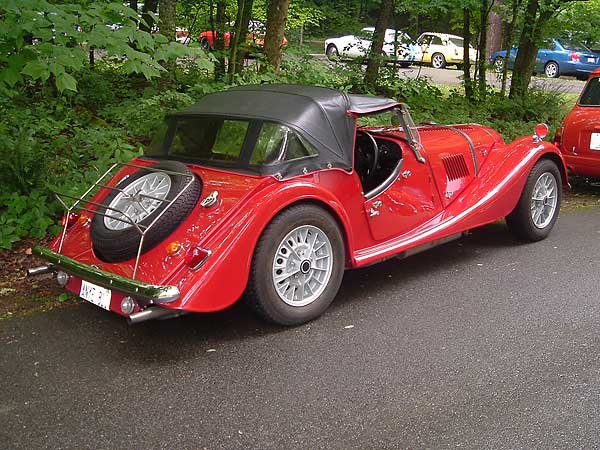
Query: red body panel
point(255, 38)
point(577, 130)
point(416, 209)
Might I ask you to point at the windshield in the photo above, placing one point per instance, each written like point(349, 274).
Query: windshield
point(591, 93)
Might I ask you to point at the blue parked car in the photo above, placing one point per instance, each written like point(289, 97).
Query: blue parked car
point(557, 57)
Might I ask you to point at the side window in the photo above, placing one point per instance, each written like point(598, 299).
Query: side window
point(591, 93)
point(436, 40)
point(425, 40)
point(277, 143)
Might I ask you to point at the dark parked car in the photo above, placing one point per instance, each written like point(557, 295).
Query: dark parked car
point(556, 57)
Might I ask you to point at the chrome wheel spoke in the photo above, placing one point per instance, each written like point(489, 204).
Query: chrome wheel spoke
point(544, 200)
point(137, 201)
point(302, 265)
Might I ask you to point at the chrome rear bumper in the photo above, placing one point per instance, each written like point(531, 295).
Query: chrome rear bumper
point(134, 288)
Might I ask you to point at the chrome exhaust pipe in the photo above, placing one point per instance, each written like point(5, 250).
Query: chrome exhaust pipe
point(154, 313)
point(40, 270)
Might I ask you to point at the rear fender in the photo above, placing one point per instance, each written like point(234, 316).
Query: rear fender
point(223, 278)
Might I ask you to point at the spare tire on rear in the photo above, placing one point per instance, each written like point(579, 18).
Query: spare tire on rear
point(139, 196)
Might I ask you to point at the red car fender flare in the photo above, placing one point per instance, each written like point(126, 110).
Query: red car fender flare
point(234, 247)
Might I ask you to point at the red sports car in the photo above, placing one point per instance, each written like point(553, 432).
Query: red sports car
point(270, 192)
point(579, 136)
point(255, 37)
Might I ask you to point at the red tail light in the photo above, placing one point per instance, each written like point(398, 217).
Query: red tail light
point(69, 220)
point(574, 56)
point(196, 256)
point(456, 52)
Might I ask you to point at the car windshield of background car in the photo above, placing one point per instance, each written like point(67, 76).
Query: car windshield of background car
point(591, 94)
point(209, 139)
point(572, 45)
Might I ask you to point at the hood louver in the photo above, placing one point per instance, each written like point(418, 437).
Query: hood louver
point(456, 167)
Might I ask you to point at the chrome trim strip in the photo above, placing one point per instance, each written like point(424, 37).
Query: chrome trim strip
point(156, 293)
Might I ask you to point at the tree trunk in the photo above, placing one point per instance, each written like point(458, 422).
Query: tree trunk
point(534, 20)
point(508, 41)
point(167, 18)
point(466, 57)
point(276, 20)
point(218, 28)
point(237, 47)
point(481, 60)
point(150, 6)
point(133, 4)
point(494, 30)
point(374, 61)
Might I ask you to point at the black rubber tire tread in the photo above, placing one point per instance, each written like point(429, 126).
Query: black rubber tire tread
point(519, 221)
point(260, 293)
point(122, 245)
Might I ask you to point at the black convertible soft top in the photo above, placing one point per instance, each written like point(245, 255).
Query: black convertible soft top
point(323, 116)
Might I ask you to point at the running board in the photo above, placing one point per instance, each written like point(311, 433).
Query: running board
point(430, 245)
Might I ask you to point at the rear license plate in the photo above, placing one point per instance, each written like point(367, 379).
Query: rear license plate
point(595, 141)
point(97, 295)
point(591, 60)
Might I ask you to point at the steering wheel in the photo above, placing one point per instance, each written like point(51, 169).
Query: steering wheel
point(374, 151)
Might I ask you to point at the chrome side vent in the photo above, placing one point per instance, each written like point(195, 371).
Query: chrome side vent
point(456, 166)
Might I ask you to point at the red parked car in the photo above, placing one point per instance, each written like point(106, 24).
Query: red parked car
point(579, 136)
point(255, 37)
point(272, 191)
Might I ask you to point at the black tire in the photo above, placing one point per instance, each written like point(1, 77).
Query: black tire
point(552, 69)
point(261, 294)
point(121, 245)
point(438, 61)
point(204, 44)
point(520, 221)
point(498, 64)
point(332, 52)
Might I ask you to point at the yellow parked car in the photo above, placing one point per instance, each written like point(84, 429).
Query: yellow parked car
point(441, 49)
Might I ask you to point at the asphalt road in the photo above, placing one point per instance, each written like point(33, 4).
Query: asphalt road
point(481, 343)
point(453, 76)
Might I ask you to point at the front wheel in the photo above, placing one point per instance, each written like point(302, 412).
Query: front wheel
point(535, 215)
point(297, 267)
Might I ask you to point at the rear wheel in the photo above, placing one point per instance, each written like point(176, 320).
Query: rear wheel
point(297, 267)
point(498, 64)
point(332, 52)
point(438, 61)
point(552, 70)
point(535, 215)
point(204, 44)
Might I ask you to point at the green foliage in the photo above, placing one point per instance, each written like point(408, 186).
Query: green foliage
point(42, 42)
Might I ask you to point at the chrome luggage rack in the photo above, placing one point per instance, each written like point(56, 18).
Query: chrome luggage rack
point(81, 204)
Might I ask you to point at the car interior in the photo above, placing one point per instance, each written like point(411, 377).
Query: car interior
point(375, 159)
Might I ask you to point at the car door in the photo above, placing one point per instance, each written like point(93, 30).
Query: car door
point(409, 202)
point(545, 54)
point(425, 42)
